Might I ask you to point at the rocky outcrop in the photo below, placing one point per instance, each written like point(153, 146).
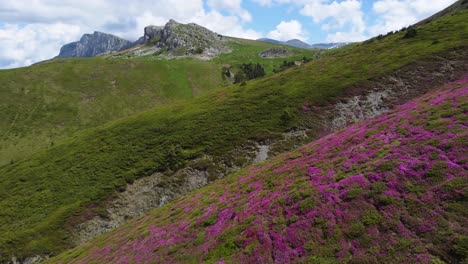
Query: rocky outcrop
point(185, 39)
point(275, 52)
point(31, 260)
point(158, 189)
point(152, 33)
point(383, 93)
point(94, 44)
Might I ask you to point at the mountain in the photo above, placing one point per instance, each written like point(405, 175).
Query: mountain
point(388, 190)
point(91, 45)
point(298, 44)
point(329, 45)
point(101, 177)
point(302, 45)
point(267, 40)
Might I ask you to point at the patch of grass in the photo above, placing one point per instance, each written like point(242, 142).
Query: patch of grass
point(371, 218)
point(437, 171)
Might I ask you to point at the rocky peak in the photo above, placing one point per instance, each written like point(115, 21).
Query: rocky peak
point(94, 44)
point(172, 23)
point(185, 39)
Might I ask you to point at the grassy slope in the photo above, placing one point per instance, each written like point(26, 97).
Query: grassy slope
point(37, 195)
point(46, 103)
point(248, 51)
point(388, 190)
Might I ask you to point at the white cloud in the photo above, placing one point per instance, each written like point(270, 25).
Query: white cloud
point(341, 36)
point(395, 14)
point(288, 30)
point(336, 16)
point(226, 25)
point(264, 2)
point(233, 7)
point(126, 19)
point(35, 42)
point(342, 19)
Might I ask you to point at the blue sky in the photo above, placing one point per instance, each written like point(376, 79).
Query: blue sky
point(34, 30)
point(266, 18)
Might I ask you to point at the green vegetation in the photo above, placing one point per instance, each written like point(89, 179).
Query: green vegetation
point(249, 71)
point(247, 51)
point(39, 194)
point(410, 33)
point(46, 103)
point(290, 209)
point(288, 64)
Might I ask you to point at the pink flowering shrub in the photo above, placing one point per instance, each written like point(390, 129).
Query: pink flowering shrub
point(391, 189)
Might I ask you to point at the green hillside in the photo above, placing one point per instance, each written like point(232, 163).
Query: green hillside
point(46, 103)
point(39, 194)
point(388, 190)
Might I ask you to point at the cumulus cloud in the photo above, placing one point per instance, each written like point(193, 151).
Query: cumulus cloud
point(344, 20)
point(336, 16)
point(34, 42)
point(47, 24)
point(287, 30)
point(395, 14)
point(233, 7)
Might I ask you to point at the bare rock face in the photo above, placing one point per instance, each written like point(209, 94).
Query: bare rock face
point(385, 92)
point(185, 39)
point(31, 260)
point(94, 44)
point(275, 52)
point(152, 33)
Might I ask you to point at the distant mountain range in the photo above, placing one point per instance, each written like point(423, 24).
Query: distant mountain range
point(91, 45)
point(301, 44)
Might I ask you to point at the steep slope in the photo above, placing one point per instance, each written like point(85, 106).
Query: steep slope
point(94, 44)
point(388, 190)
point(71, 182)
point(46, 103)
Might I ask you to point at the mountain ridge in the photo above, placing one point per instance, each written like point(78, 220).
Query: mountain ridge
point(300, 44)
